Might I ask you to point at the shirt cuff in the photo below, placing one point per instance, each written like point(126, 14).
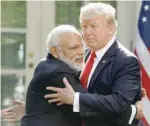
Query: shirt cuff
point(132, 114)
point(76, 107)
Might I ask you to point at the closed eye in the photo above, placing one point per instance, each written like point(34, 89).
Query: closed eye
point(84, 27)
point(94, 26)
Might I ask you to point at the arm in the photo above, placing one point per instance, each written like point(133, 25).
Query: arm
point(58, 83)
point(57, 80)
point(37, 90)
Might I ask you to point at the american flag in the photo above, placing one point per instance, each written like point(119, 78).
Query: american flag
point(142, 51)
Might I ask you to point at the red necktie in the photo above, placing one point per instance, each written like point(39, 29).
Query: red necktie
point(86, 72)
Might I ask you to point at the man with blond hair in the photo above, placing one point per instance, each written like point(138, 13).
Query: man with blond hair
point(111, 74)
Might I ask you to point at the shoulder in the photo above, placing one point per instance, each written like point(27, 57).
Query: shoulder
point(53, 66)
point(123, 55)
point(124, 59)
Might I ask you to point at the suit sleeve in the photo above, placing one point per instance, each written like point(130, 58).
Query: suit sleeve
point(125, 87)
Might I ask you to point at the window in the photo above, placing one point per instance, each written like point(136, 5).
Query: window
point(67, 12)
point(13, 39)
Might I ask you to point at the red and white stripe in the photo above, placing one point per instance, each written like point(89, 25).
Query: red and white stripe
point(143, 55)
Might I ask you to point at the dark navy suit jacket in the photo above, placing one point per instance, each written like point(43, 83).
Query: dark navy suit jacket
point(114, 86)
point(50, 72)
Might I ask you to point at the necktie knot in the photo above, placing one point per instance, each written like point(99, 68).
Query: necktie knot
point(93, 55)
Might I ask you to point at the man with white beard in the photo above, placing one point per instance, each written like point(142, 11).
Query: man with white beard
point(64, 59)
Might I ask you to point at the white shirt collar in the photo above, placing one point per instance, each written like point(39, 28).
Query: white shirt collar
point(101, 52)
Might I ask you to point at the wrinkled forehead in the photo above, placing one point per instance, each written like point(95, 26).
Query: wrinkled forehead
point(97, 20)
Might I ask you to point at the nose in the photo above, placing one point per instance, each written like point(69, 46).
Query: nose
point(81, 50)
point(87, 31)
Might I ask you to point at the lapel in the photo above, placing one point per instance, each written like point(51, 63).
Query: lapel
point(106, 59)
point(87, 55)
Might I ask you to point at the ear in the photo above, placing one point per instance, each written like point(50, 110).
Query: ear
point(111, 29)
point(54, 51)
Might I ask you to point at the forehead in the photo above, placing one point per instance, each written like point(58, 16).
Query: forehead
point(95, 20)
point(70, 39)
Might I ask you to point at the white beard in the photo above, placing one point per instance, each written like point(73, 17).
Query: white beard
point(72, 64)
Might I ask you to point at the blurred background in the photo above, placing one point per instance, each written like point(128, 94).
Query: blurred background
point(24, 29)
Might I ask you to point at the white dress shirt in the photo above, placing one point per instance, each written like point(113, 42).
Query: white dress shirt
point(99, 54)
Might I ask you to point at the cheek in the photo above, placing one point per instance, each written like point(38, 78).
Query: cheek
point(100, 34)
point(66, 54)
point(70, 55)
point(97, 33)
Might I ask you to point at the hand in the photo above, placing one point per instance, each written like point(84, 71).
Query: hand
point(143, 92)
point(139, 107)
point(63, 95)
point(14, 113)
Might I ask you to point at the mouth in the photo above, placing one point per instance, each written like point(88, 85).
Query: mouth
point(79, 60)
point(90, 40)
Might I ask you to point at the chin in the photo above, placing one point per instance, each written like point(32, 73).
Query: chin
point(92, 47)
point(91, 44)
point(79, 62)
